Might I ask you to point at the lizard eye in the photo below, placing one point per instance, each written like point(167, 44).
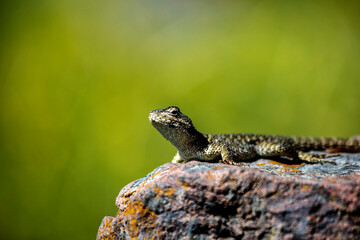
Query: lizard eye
point(174, 111)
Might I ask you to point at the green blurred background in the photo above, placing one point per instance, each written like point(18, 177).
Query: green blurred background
point(78, 79)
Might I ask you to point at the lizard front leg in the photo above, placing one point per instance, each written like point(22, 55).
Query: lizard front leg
point(177, 158)
point(236, 155)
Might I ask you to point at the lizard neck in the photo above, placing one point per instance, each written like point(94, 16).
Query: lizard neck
point(187, 141)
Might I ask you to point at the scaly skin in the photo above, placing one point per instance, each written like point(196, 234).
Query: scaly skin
point(238, 148)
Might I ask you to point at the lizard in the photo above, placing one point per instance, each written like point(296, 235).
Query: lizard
point(237, 149)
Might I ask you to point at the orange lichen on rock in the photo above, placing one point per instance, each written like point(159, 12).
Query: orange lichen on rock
point(287, 167)
point(134, 215)
point(106, 230)
point(163, 191)
point(260, 164)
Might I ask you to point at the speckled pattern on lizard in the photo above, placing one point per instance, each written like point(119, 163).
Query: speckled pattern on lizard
point(236, 149)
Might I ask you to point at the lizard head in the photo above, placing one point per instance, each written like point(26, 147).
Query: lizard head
point(169, 118)
point(177, 128)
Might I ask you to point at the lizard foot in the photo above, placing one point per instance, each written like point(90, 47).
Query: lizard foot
point(316, 158)
point(231, 162)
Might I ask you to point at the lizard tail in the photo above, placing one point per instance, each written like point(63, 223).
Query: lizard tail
point(331, 144)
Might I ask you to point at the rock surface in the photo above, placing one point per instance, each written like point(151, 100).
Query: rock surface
point(267, 200)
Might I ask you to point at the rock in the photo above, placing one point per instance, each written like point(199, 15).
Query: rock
point(266, 200)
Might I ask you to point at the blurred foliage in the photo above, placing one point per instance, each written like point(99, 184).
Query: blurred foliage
point(78, 79)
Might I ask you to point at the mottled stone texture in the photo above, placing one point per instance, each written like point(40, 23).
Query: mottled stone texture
point(267, 200)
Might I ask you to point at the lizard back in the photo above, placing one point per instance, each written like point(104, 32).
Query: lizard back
point(301, 143)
